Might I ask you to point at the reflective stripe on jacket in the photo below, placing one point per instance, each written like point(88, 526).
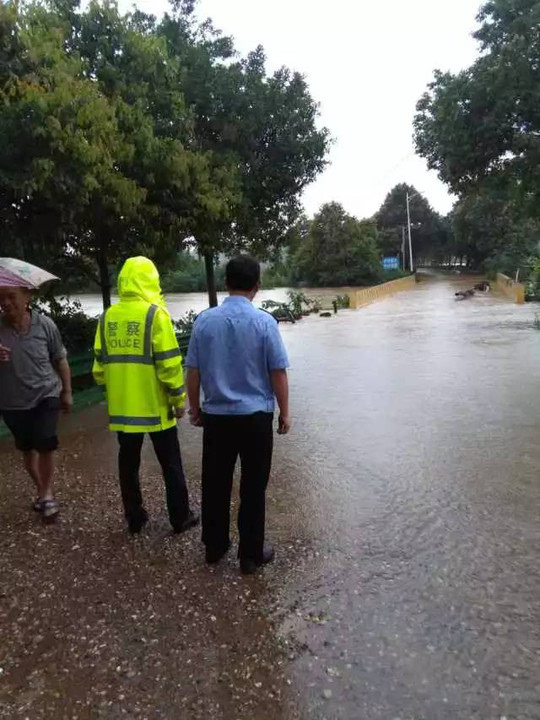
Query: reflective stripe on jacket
point(138, 359)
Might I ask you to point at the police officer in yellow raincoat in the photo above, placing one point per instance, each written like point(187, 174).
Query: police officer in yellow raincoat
point(138, 359)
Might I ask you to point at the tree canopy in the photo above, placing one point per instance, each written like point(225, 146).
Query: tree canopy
point(480, 130)
point(338, 249)
point(491, 232)
point(265, 127)
point(122, 134)
point(428, 228)
point(485, 121)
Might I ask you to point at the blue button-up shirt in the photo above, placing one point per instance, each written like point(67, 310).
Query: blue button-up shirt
point(235, 347)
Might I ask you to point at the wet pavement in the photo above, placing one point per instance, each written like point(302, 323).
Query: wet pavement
point(404, 506)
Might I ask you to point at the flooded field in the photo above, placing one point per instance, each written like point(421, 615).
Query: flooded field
point(181, 303)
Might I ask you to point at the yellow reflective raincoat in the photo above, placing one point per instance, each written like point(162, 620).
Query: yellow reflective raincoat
point(137, 356)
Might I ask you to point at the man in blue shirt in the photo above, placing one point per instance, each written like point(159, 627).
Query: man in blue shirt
point(237, 355)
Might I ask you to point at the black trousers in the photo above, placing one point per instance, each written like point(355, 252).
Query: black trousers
point(167, 449)
point(225, 438)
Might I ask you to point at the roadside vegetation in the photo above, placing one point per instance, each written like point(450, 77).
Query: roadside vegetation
point(480, 131)
point(128, 134)
point(124, 133)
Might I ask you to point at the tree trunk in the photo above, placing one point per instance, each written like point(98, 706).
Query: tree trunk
point(104, 277)
point(210, 279)
point(21, 249)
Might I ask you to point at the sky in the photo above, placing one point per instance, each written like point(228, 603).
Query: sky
point(367, 63)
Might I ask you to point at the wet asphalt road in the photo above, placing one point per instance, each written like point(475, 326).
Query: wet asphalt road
point(404, 506)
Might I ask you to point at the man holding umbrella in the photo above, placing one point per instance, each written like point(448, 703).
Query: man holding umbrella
point(35, 379)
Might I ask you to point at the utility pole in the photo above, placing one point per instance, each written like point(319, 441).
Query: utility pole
point(409, 226)
point(403, 247)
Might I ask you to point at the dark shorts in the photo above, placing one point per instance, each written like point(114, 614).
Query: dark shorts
point(35, 429)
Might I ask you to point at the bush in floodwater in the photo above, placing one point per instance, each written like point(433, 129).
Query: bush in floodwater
point(281, 311)
point(184, 325)
point(299, 303)
point(316, 304)
point(343, 302)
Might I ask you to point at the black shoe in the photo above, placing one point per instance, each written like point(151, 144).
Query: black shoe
point(192, 521)
point(214, 556)
point(250, 567)
point(135, 526)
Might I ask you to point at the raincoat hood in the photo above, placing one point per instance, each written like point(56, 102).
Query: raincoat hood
point(139, 278)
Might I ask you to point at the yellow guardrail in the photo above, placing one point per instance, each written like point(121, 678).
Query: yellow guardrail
point(514, 290)
point(364, 296)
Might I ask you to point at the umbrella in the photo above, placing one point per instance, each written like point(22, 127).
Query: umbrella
point(17, 273)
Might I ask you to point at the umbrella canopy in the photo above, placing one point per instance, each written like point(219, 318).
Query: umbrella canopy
point(17, 273)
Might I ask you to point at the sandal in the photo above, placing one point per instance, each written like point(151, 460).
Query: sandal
point(49, 511)
point(37, 505)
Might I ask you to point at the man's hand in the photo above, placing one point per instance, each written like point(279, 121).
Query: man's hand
point(280, 383)
point(179, 412)
point(193, 387)
point(195, 417)
point(284, 425)
point(5, 354)
point(66, 401)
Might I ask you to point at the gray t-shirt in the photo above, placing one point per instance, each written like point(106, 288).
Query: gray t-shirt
point(30, 376)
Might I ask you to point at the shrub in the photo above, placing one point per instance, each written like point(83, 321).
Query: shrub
point(532, 287)
point(77, 329)
point(389, 275)
point(274, 277)
point(188, 275)
point(299, 302)
point(184, 325)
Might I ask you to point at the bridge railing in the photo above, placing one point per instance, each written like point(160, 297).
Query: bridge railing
point(364, 296)
point(514, 290)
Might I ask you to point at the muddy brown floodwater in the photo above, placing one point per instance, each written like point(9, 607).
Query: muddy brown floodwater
point(404, 506)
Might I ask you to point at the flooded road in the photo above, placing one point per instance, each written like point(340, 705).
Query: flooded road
point(404, 507)
point(418, 422)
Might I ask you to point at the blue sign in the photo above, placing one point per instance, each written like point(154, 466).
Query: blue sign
point(390, 263)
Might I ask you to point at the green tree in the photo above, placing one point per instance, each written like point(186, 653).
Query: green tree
point(187, 274)
point(338, 250)
point(119, 136)
point(480, 130)
point(260, 129)
point(60, 150)
point(281, 269)
point(181, 183)
point(97, 141)
point(491, 232)
point(428, 229)
point(484, 123)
